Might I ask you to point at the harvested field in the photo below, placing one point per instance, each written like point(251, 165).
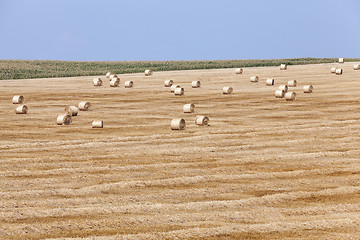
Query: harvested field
point(265, 168)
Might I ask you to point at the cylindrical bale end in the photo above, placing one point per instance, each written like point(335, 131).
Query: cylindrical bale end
point(85, 106)
point(202, 120)
point(72, 110)
point(284, 88)
point(189, 108)
point(148, 72)
point(129, 84)
point(179, 91)
point(22, 109)
point(227, 90)
point(356, 67)
point(115, 82)
point(173, 87)
point(168, 83)
point(308, 88)
point(64, 119)
point(290, 96)
point(270, 82)
point(292, 83)
point(97, 82)
point(254, 79)
point(177, 124)
point(283, 67)
point(333, 69)
point(18, 99)
point(279, 93)
point(238, 70)
point(341, 60)
point(339, 71)
point(195, 84)
point(97, 124)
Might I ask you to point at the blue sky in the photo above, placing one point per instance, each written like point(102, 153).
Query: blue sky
point(123, 30)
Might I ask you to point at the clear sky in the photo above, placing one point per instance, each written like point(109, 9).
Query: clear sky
point(112, 30)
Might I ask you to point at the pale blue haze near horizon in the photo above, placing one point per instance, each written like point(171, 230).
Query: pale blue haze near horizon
point(111, 30)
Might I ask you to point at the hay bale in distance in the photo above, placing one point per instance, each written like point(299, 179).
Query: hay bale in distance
point(97, 82)
point(18, 99)
point(270, 82)
point(85, 106)
point(168, 83)
point(356, 67)
point(179, 91)
point(64, 119)
point(227, 90)
point(148, 72)
point(72, 110)
point(129, 84)
point(112, 76)
point(339, 71)
point(284, 88)
point(283, 67)
point(333, 69)
point(195, 84)
point(292, 83)
point(279, 93)
point(238, 70)
point(173, 87)
point(202, 120)
point(115, 82)
point(290, 96)
point(308, 89)
point(108, 74)
point(341, 60)
point(97, 124)
point(178, 124)
point(254, 79)
point(189, 108)
point(22, 109)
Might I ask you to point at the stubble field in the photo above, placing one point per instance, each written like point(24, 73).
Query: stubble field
point(265, 168)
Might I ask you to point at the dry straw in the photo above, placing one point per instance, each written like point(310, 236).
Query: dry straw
point(85, 106)
point(22, 109)
point(18, 99)
point(292, 83)
point(189, 108)
point(108, 74)
point(227, 90)
point(64, 119)
point(177, 124)
point(356, 67)
point(333, 70)
point(284, 88)
point(168, 83)
point(195, 84)
point(279, 93)
point(129, 84)
point(115, 82)
point(173, 87)
point(238, 71)
point(148, 72)
point(97, 82)
point(72, 110)
point(308, 88)
point(97, 124)
point(179, 91)
point(270, 82)
point(202, 120)
point(283, 67)
point(339, 71)
point(341, 60)
point(290, 96)
point(254, 79)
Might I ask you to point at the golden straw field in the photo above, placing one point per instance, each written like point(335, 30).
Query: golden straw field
point(265, 168)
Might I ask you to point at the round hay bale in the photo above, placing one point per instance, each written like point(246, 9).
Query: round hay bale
point(64, 119)
point(201, 120)
point(333, 69)
point(279, 93)
point(339, 71)
point(72, 110)
point(283, 67)
point(18, 99)
point(195, 84)
point(168, 83)
point(270, 82)
point(148, 72)
point(22, 109)
point(290, 96)
point(292, 83)
point(178, 124)
point(85, 106)
point(97, 82)
point(173, 87)
point(308, 88)
point(228, 90)
point(129, 84)
point(341, 60)
point(238, 71)
point(356, 67)
point(254, 79)
point(115, 82)
point(189, 108)
point(108, 74)
point(112, 76)
point(179, 91)
point(284, 88)
point(97, 124)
